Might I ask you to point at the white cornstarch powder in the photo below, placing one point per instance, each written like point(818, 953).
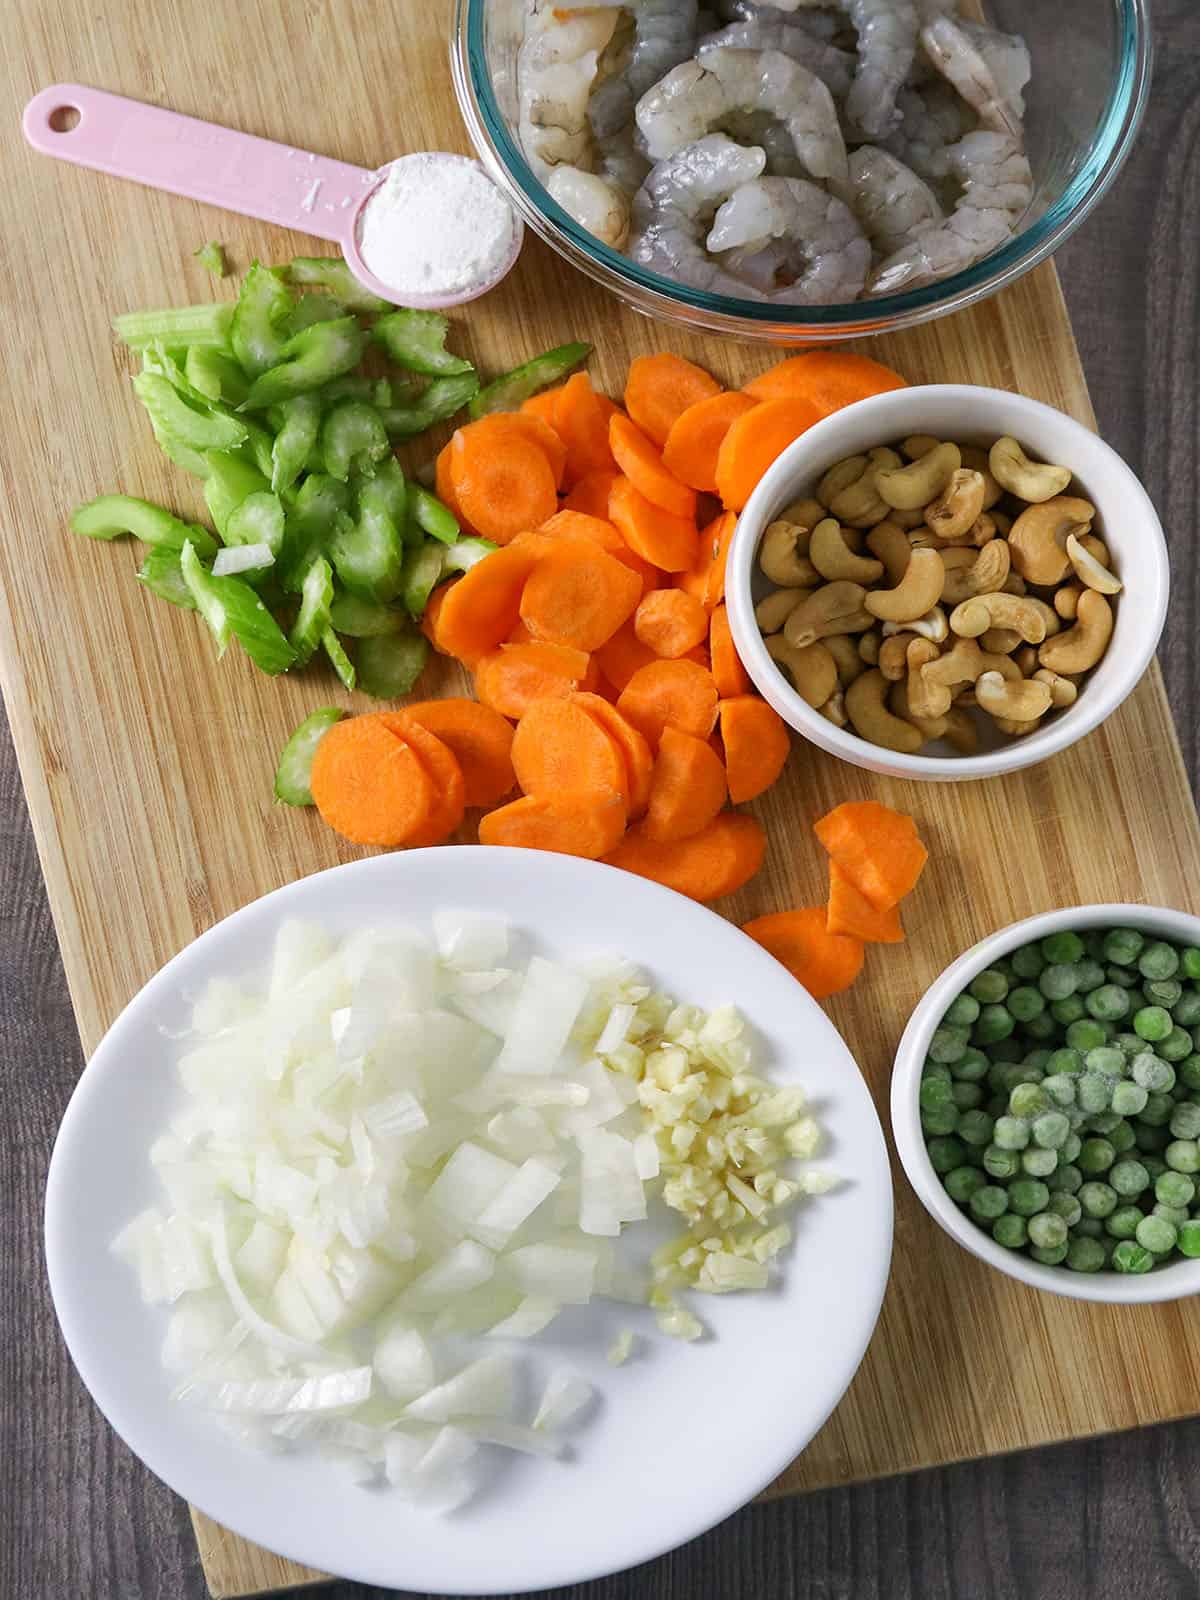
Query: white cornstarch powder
point(436, 225)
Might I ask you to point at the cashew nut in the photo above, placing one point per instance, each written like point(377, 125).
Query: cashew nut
point(984, 575)
point(932, 625)
point(959, 505)
point(982, 531)
point(1002, 520)
point(1083, 645)
point(1063, 692)
point(1000, 641)
point(868, 646)
point(907, 519)
point(1096, 548)
point(889, 542)
point(1066, 600)
point(1025, 701)
point(962, 664)
point(918, 445)
point(915, 594)
point(834, 709)
point(840, 476)
point(812, 670)
point(1039, 535)
point(909, 488)
point(1006, 666)
point(961, 733)
point(1015, 728)
point(845, 653)
point(1089, 569)
point(773, 612)
point(866, 706)
point(1027, 659)
point(783, 556)
point(1047, 613)
point(1032, 481)
point(958, 561)
point(806, 512)
point(900, 704)
point(975, 617)
point(976, 457)
point(893, 655)
point(1014, 583)
point(858, 504)
point(835, 608)
point(923, 698)
point(833, 558)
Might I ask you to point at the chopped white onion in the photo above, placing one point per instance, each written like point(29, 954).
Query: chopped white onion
point(484, 1388)
point(470, 940)
point(545, 1012)
point(563, 1398)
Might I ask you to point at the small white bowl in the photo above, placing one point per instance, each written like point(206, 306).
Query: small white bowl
point(1125, 519)
point(1171, 1282)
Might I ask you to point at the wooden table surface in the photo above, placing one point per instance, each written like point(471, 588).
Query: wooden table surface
point(79, 1516)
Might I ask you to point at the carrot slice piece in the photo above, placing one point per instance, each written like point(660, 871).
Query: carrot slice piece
point(756, 746)
point(581, 421)
point(483, 606)
point(670, 622)
point(825, 963)
point(501, 425)
point(623, 655)
point(542, 405)
point(642, 464)
point(706, 580)
point(579, 595)
point(430, 615)
point(830, 378)
point(590, 494)
point(445, 488)
point(639, 761)
point(687, 790)
point(712, 863)
point(558, 746)
point(370, 786)
point(755, 440)
point(567, 524)
point(480, 741)
point(850, 912)
point(729, 675)
point(658, 536)
point(679, 693)
point(877, 848)
point(659, 388)
point(502, 480)
point(510, 679)
point(444, 772)
point(578, 822)
point(694, 442)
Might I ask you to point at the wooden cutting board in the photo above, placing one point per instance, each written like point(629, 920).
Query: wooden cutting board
point(147, 764)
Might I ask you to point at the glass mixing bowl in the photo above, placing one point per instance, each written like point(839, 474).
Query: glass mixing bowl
point(1091, 73)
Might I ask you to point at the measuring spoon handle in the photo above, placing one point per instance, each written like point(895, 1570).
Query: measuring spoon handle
point(129, 139)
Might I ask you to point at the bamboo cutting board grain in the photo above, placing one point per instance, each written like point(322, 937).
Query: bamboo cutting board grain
point(148, 765)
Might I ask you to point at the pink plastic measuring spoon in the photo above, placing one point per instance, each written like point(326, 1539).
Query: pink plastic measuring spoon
point(237, 171)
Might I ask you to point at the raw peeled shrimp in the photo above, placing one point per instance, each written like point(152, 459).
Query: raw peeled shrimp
point(595, 202)
point(771, 30)
point(836, 254)
point(555, 68)
point(621, 162)
point(932, 118)
point(758, 127)
point(671, 207)
point(960, 62)
point(890, 200)
point(1007, 58)
point(819, 21)
point(997, 187)
point(664, 34)
point(887, 44)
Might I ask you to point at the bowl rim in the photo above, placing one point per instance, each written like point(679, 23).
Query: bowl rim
point(1172, 1282)
point(1111, 143)
point(901, 411)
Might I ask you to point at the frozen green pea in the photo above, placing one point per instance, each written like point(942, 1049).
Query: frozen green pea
point(1152, 1023)
point(1158, 960)
point(995, 1023)
point(1153, 1074)
point(1123, 945)
point(1189, 962)
point(1162, 991)
point(1027, 1196)
point(988, 1203)
point(1154, 1164)
point(1006, 1052)
point(1050, 1130)
point(1188, 1071)
point(1001, 1164)
point(1121, 1136)
point(1128, 1098)
point(1037, 1058)
point(1131, 1044)
point(1070, 1150)
point(1183, 1155)
point(966, 1096)
point(935, 1069)
point(1156, 1234)
point(1186, 1010)
point(975, 1128)
point(972, 1067)
point(1066, 1206)
point(1085, 1254)
point(962, 1011)
point(1066, 1180)
point(934, 1091)
point(1093, 1093)
point(1047, 1231)
point(1122, 1224)
point(1068, 1010)
point(947, 1046)
point(1157, 1112)
point(1089, 975)
point(941, 1119)
point(1010, 1231)
point(1060, 1089)
point(1123, 977)
point(1027, 962)
point(1185, 1121)
point(975, 1155)
point(1038, 1163)
point(1107, 1059)
point(945, 1154)
point(1097, 1199)
point(962, 1182)
point(1065, 946)
point(1010, 1133)
point(1103, 1122)
point(1058, 982)
point(1175, 1215)
point(1188, 1241)
point(1129, 1178)
point(1028, 1100)
point(1129, 1256)
point(1089, 1228)
point(1042, 1027)
point(1108, 1003)
point(1065, 1063)
point(1086, 1034)
point(1049, 1258)
point(1025, 1002)
point(1177, 1046)
point(1096, 1155)
point(988, 987)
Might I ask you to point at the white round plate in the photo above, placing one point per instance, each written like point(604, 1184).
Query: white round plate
point(684, 1433)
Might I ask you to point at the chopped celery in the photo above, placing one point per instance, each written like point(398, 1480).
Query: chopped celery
point(432, 516)
point(212, 257)
point(352, 435)
point(294, 440)
point(110, 515)
point(417, 340)
point(258, 519)
point(376, 391)
point(263, 304)
point(207, 430)
point(185, 325)
point(388, 665)
point(331, 272)
point(181, 454)
point(293, 775)
point(250, 561)
point(437, 401)
point(342, 663)
point(230, 481)
point(216, 375)
point(511, 389)
point(363, 619)
point(465, 553)
point(307, 360)
point(312, 308)
point(259, 448)
point(233, 610)
point(162, 574)
point(423, 568)
point(316, 593)
point(367, 553)
point(312, 522)
point(386, 491)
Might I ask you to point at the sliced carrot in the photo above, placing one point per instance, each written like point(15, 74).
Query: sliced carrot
point(670, 622)
point(850, 912)
point(639, 760)
point(542, 405)
point(558, 746)
point(519, 635)
point(658, 536)
point(483, 606)
point(756, 746)
point(687, 790)
point(696, 435)
point(877, 848)
point(370, 786)
point(706, 580)
point(623, 655)
point(567, 524)
point(445, 774)
point(712, 863)
point(502, 479)
point(680, 694)
point(431, 613)
point(579, 595)
point(581, 421)
point(729, 674)
point(510, 679)
point(830, 378)
point(757, 439)
point(642, 463)
point(445, 488)
point(659, 388)
point(480, 741)
point(825, 963)
point(577, 822)
point(590, 494)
